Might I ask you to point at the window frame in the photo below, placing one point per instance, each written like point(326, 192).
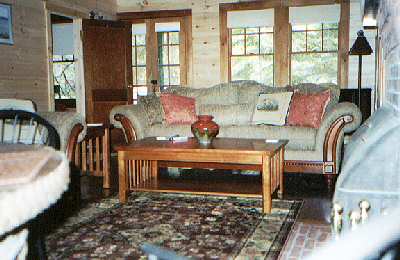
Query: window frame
point(245, 34)
point(322, 51)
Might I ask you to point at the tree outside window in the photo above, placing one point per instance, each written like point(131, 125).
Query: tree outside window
point(251, 54)
point(64, 76)
point(314, 56)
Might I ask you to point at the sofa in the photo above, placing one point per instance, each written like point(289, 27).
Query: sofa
point(309, 150)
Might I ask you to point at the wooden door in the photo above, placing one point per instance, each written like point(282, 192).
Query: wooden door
point(107, 57)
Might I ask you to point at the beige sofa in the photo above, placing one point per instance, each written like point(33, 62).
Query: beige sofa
point(232, 104)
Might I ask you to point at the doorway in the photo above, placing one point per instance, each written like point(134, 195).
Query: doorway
point(63, 63)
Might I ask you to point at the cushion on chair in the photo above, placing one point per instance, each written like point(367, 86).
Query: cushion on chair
point(228, 114)
point(178, 109)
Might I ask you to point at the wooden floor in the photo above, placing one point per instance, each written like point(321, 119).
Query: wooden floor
point(309, 187)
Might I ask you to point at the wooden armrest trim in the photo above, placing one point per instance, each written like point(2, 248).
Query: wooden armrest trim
point(73, 141)
point(129, 129)
point(331, 141)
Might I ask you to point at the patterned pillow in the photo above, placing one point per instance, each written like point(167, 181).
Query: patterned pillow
point(271, 109)
point(178, 109)
point(308, 109)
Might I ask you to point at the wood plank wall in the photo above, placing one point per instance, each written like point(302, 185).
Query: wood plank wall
point(23, 66)
point(208, 66)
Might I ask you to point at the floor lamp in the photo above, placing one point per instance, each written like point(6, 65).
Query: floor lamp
point(360, 47)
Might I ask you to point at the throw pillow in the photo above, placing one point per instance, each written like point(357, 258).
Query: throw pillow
point(308, 109)
point(178, 109)
point(271, 109)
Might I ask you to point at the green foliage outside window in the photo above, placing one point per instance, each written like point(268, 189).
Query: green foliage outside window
point(314, 53)
point(252, 54)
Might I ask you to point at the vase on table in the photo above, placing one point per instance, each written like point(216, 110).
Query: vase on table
point(205, 129)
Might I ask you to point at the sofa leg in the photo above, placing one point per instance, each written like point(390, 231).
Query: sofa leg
point(330, 180)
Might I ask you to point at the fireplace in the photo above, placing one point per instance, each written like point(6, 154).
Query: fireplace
point(371, 165)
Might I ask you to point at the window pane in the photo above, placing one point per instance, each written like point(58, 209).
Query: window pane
point(134, 79)
point(314, 68)
point(314, 41)
point(133, 56)
point(141, 55)
point(243, 68)
point(162, 38)
point(174, 75)
point(266, 29)
point(298, 41)
point(316, 26)
point(252, 46)
point(174, 54)
point(252, 30)
point(299, 28)
point(237, 44)
point(64, 76)
point(267, 70)
point(140, 39)
point(163, 55)
point(330, 40)
point(164, 77)
point(238, 31)
point(266, 43)
point(141, 78)
point(174, 38)
point(331, 25)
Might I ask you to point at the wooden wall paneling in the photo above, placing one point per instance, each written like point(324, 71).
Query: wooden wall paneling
point(224, 45)
point(182, 51)
point(49, 42)
point(133, 16)
point(281, 46)
point(151, 51)
point(343, 52)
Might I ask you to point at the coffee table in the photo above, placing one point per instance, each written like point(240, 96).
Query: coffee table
point(138, 162)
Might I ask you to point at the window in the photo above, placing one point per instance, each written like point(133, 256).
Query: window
point(251, 54)
point(139, 59)
point(314, 56)
point(168, 59)
point(64, 76)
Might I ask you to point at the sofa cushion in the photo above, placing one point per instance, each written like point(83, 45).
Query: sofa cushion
point(310, 88)
point(219, 94)
point(178, 109)
point(308, 109)
point(228, 114)
point(272, 109)
point(153, 108)
point(300, 138)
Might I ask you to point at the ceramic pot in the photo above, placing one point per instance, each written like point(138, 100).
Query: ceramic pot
point(205, 129)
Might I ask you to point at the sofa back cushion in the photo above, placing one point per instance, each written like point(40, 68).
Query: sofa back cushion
point(220, 94)
point(237, 114)
point(308, 109)
point(153, 108)
point(178, 109)
point(271, 109)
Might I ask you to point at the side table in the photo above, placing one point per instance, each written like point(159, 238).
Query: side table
point(92, 154)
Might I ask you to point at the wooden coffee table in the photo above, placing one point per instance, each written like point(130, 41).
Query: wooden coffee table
point(138, 162)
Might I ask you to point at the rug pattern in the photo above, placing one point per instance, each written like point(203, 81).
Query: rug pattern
point(202, 227)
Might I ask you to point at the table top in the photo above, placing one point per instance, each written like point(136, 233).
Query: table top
point(218, 144)
point(25, 200)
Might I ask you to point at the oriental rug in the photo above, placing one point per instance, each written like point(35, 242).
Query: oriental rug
point(196, 226)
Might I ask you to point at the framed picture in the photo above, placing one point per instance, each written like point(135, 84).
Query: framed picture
point(6, 36)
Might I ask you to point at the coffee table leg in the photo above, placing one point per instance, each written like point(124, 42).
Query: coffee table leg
point(122, 178)
point(281, 156)
point(266, 184)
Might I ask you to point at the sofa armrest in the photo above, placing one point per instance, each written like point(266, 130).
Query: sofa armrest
point(70, 128)
point(132, 119)
point(343, 118)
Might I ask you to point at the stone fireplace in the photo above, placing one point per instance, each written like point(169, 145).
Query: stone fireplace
point(371, 165)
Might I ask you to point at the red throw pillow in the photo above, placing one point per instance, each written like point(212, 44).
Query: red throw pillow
point(308, 109)
point(178, 109)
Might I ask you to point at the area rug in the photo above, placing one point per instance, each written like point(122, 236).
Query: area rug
point(199, 227)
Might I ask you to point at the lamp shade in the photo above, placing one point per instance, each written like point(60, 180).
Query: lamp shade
point(361, 45)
